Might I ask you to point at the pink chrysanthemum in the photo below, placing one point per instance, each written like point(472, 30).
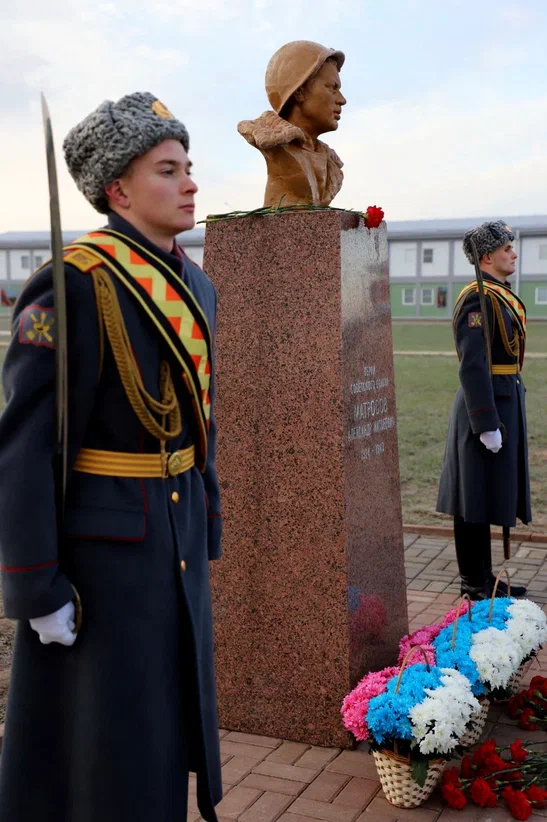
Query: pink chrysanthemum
point(355, 706)
point(425, 636)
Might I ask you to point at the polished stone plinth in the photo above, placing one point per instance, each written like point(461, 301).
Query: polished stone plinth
point(310, 593)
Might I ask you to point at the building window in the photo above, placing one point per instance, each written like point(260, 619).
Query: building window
point(25, 261)
point(541, 295)
point(542, 252)
point(409, 296)
point(38, 261)
point(427, 296)
point(410, 255)
point(428, 255)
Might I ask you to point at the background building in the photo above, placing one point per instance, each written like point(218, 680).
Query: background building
point(22, 252)
point(427, 266)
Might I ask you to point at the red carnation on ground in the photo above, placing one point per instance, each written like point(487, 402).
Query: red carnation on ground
point(482, 794)
point(373, 216)
point(537, 796)
point(453, 796)
point(493, 764)
point(517, 803)
point(466, 768)
point(516, 705)
point(486, 749)
point(518, 753)
point(539, 683)
point(451, 777)
point(526, 722)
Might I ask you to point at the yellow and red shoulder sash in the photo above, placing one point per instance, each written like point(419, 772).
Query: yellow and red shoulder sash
point(514, 305)
point(169, 304)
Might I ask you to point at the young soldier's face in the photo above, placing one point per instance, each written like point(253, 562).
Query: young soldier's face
point(159, 190)
point(503, 260)
point(322, 99)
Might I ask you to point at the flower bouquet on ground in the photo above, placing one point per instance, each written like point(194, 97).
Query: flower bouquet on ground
point(413, 722)
point(519, 778)
point(530, 705)
point(493, 645)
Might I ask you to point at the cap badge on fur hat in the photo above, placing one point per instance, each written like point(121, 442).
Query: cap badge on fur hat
point(161, 110)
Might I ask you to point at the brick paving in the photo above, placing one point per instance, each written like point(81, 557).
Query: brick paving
point(271, 780)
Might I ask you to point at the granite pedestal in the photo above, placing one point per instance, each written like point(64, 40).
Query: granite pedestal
point(310, 593)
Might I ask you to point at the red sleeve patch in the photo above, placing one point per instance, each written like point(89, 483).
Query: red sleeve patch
point(37, 326)
point(474, 319)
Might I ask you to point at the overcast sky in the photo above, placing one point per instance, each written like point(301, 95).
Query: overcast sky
point(446, 112)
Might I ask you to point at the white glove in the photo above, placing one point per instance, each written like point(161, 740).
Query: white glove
point(492, 440)
point(56, 627)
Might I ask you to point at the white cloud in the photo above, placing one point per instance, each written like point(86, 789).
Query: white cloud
point(430, 158)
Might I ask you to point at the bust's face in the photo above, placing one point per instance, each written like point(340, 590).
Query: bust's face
point(322, 99)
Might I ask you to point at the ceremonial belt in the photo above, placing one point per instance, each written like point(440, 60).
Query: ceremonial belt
point(506, 369)
point(169, 303)
point(139, 466)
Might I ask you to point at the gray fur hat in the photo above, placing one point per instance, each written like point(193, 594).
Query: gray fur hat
point(99, 149)
point(487, 237)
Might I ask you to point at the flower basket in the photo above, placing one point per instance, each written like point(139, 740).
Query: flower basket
point(478, 721)
point(399, 787)
point(395, 771)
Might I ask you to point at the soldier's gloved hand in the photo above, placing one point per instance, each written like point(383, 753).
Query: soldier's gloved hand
point(491, 440)
point(56, 627)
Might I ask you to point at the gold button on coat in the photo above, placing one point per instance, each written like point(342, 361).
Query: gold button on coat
point(175, 496)
point(183, 566)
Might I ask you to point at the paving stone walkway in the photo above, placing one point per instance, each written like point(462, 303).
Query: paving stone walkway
point(267, 779)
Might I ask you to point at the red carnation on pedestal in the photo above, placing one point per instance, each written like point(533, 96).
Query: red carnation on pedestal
point(373, 216)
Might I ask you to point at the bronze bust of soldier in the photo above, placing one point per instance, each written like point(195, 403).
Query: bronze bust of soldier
point(303, 88)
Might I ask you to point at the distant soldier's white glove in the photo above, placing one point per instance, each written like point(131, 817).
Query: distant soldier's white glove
point(492, 440)
point(56, 627)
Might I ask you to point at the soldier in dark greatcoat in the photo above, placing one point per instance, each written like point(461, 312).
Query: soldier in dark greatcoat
point(485, 477)
point(104, 723)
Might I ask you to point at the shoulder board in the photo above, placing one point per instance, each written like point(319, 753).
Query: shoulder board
point(82, 259)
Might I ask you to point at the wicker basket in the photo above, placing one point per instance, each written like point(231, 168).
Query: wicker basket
point(478, 721)
point(399, 787)
point(515, 680)
point(394, 770)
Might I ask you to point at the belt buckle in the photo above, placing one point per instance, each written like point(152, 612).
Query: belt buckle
point(174, 464)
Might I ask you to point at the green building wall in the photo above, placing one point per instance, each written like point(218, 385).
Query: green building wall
point(434, 311)
point(528, 296)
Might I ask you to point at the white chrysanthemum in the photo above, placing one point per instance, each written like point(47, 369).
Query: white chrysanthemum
point(527, 626)
point(441, 719)
point(496, 655)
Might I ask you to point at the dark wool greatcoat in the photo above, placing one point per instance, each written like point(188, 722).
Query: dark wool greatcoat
point(476, 484)
point(106, 730)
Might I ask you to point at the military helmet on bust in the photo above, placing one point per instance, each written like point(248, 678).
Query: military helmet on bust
point(292, 65)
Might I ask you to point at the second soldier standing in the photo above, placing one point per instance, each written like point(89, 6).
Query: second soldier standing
point(485, 478)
